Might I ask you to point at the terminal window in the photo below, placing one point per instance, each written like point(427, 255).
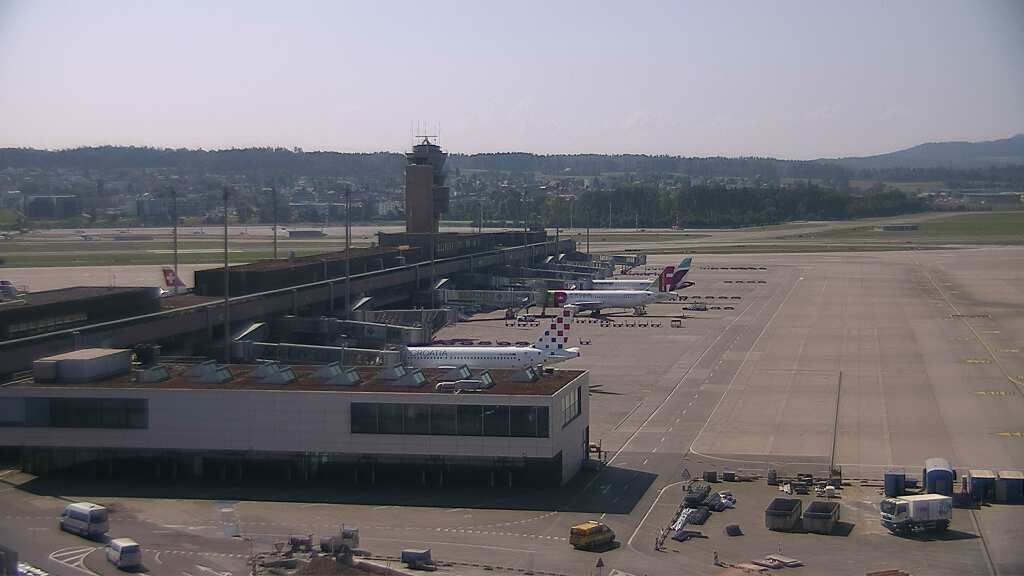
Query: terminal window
point(450, 420)
point(572, 405)
point(116, 413)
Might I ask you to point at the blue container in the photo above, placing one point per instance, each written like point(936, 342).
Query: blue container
point(895, 483)
point(982, 485)
point(938, 476)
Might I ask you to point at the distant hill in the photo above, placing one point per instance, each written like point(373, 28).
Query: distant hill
point(943, 155)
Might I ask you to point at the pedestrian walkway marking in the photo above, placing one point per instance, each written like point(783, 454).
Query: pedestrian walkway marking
point(995, 393)
point(978, 361)
point(1010, 434)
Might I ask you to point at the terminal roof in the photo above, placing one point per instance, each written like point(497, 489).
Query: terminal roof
point(371, 380)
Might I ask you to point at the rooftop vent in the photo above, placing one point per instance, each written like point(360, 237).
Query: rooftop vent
point(266, 368)
point(528, 374)
point(209, 372)
point(393, 373)
point(335, 375)
point(409, 379)
point(152, 374)
point(281, 375)
point(456, 372)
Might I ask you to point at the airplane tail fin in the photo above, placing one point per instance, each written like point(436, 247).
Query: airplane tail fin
point(676, 283)
point(171, 280)
point(664, 280)
point(555, 337)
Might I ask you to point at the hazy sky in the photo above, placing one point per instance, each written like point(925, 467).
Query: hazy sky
point(788, 79)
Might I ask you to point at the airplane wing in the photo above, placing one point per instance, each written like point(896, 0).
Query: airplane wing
point(589, 305)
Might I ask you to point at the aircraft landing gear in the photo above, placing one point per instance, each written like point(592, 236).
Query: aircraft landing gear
point(640, 311)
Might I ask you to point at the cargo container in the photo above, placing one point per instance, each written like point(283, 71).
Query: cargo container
point(418, 559)
point(821, 517)
point(982, 485)
point(783, 514)
point(895, 483)
point(918, 512)
point(1010, 486)
point(938, 476)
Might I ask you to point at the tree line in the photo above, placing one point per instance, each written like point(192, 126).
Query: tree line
point(692, 207)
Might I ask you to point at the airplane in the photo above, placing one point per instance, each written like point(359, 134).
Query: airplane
point(667, 281)
point(597, 300)
point(172, 284)
point(551, 347)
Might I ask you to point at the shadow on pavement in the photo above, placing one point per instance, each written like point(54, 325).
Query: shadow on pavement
point(614, 490)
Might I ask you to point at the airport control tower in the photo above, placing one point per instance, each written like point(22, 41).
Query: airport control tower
point(426, 196)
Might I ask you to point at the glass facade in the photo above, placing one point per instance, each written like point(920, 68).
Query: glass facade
point(572, 405)
point(114, 413)
point(450, 419)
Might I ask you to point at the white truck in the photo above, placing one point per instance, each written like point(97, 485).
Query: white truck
point(904, 514)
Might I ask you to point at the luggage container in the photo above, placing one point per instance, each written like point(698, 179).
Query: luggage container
point(418, 559)
point(982, 485)
point(1010, 486)
point(895, 483)
point(821, 517)
point(938, 476)
point(783, 514)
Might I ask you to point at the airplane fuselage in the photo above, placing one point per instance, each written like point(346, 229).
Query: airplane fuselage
point(508, 357)
point(601, 299)
point(623, 284)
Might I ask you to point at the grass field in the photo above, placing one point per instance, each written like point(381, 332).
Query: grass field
point(30, 260)
point(975, 228)
point(994, 224)
point(935, 230)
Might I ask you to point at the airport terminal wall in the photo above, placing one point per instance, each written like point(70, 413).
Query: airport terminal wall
point(539, 432)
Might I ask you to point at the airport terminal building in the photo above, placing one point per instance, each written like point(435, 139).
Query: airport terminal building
point(96, 412)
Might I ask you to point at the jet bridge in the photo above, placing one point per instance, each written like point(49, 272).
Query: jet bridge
point(514, 299)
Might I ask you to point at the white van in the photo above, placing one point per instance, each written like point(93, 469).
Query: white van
point(85, 519)
point(124, 553)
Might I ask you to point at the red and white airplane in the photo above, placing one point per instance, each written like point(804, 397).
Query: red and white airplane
point(670, 280)
point(172, 284)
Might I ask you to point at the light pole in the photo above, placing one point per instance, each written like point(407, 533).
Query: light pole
point(558, 202)
point(174, 216)
point(526, 217)
point(348, 256)
point(227, 290)
point(273, 194)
